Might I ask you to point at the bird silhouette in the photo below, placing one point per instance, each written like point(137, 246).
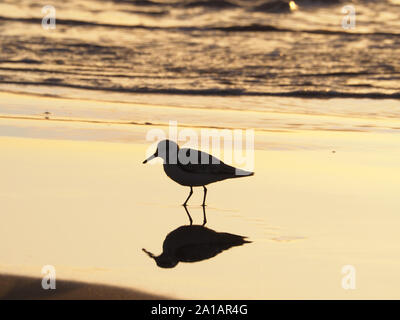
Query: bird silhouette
point(194, 243)
point(194, 168)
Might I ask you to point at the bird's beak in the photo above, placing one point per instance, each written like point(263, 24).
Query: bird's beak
point(148, 253)
point(150, 158)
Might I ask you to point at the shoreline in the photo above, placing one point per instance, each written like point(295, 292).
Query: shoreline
point(265, 115)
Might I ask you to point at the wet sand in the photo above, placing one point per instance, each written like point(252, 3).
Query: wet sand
point(318, 201)
point(78, 99)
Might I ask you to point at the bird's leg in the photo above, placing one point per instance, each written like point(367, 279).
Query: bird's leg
point(190, 194)
point(190, 218)
point(204, 216)
point(205, 194)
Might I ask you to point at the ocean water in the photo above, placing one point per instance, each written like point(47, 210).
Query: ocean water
point(213, 53)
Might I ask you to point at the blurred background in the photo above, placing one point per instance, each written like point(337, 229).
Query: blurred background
point(202, 47)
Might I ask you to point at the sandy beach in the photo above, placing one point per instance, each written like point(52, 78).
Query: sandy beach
point(76, 195)
point(303, 93)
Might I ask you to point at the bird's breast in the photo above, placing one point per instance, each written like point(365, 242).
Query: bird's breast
point(186, 178)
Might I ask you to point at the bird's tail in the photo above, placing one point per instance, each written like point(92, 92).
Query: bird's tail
point(243, 173)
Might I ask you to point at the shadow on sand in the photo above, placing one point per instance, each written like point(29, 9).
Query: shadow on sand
point(13, 287)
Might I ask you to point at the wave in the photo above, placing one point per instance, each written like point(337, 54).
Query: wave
point(272, 7)
point(268, 6)
point(216, 92)
point(234, 28)
point(213, 4)
point(142, 3)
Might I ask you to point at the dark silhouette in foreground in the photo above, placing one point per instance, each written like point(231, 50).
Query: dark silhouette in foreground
point(13, 287)
point(194, 243)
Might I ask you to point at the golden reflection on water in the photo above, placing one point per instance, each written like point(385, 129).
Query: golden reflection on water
point(293, 6)
point(89, 208)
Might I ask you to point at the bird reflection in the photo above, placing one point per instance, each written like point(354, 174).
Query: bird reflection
point(192, 243)
point(190, 218)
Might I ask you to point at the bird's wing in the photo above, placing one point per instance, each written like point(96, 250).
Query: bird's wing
point(196, 161)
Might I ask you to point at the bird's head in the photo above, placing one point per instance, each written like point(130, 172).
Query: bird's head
point(167, 150)
point(163, 260)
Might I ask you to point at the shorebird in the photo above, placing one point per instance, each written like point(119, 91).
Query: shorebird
point(194, 168)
